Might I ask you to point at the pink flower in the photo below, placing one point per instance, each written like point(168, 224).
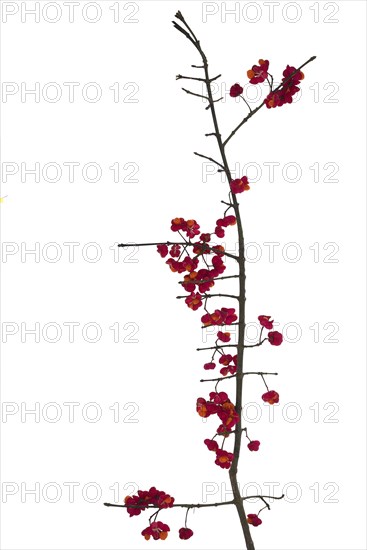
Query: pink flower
point(270, 397)
point(209, 366)
point(224, 459)
point(254, 445)
point(185, 533)
point(223, 336)
point(162, 249)
point(219, 231)
point(254, 520)
point(194, 301)
point(275, 338)
point(235, 90)
point(264, 321)
point(239, 185)
point(211, 444)
point(259, 72)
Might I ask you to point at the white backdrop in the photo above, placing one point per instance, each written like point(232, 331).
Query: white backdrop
point(94, 341)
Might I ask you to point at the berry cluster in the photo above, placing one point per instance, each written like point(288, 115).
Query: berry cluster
point(142, 500)
point(154, 498)
point(281, 95)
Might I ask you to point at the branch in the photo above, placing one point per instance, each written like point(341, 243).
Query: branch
point(173, 505)
point(208, 505)
point(205, 246)
point(214, 101)
point(192, 93)
point(180, 29)
point(218, 347)
point(214, 296)
point(179, 76)
point(263, 103)
point(209, 158)
point(237, 498)
point(256, 345)
point(235, 375)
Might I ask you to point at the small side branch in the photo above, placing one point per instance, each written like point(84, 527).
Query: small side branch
point(197, 95)
point(256, 345)
point(219, 347)
point(209, 158)
point(179, 76)
point(235, 376)
point(214, 296)
point(213, 101)
point(184, 243)
point(173, 505)
point(207, 505)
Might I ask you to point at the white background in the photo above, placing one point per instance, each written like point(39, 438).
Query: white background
point(316, 438)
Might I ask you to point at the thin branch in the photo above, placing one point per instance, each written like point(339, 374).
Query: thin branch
point(207, 505)
point(220, 325)
point(179, 76)
point(173, 505)
point(205, 246)
point(210, 279)
point(214, 101)
point(209, 158)
point(235, 375)
point(197, 95)
point(218, 347)
point(180, 29)
point(256, 345)
point(181, 18)
point(246, 103)
point(214, 296)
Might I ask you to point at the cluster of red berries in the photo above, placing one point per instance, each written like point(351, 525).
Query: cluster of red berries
point(201, 279)
point(144, 498)
point(288, 89)
point(159, 531)
point(277, 98)
point(229, 361)
point(220, 405)
point(160, 499)
point(275, 338)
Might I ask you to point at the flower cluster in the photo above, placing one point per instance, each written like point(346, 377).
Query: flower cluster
point(275, 338)
point(196, 279)
point(144, 498)
point(223, 316)
point(190, 227)
point(220, 405)
point(278, 97)
point(239, 185)
point(229, 361)
point(222, 458)
point(224, 222)
point(288, 89)
point(230, 364)
point(157, 530)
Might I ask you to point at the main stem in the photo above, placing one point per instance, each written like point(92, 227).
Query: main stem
point(241, 323)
